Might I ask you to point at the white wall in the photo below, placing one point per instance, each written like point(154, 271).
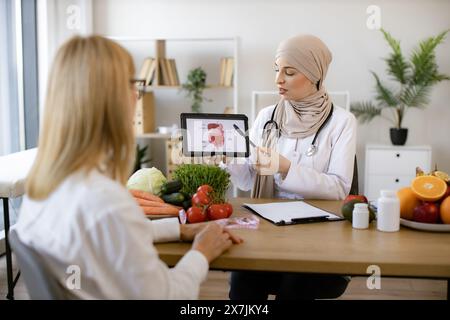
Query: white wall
point(58, 20)
point(261, 25)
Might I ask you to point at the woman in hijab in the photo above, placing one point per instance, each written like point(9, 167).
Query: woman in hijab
point(306, 151)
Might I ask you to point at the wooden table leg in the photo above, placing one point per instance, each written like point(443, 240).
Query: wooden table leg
point(448, 289)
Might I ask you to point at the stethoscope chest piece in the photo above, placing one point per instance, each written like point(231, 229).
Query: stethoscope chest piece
point(311, 150)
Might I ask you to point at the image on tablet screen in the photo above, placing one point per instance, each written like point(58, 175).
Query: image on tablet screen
point(215, 135)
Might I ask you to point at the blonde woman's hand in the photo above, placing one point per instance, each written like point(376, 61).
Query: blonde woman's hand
point(213, 240)
point(189, 231)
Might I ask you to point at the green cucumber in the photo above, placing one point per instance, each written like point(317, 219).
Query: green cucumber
point(175, 198)
point(171, 187)
point(187, 204)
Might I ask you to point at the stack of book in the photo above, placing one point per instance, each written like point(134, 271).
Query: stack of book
point(168, 74)
point(148, 71)
point(226, 72)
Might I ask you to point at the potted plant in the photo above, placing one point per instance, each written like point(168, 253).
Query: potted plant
point(414, 79)
point(139, 160)
point(196, 83)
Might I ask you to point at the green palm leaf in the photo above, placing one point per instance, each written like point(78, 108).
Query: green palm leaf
point(416, 96)
point(398, 67)
point(365, 110)
point(423, 60)
point(384, 95)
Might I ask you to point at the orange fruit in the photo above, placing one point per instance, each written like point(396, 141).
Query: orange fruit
point(408, 201)
point(445, 210)
point(428, 188)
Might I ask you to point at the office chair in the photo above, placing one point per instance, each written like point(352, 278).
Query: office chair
point(40, 282)
point(354, 189)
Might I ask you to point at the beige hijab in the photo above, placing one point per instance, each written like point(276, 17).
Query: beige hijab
point(298, 119)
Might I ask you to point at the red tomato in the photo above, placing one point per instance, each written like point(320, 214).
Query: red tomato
point(195, 214)
point(206, 189)
point(217, 211)
point(229, 208)
point(201, 199)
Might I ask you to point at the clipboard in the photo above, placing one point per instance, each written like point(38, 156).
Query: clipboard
point(290, 213)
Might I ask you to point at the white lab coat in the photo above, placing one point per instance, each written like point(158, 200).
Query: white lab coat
point(91, 228)
point(325, 175)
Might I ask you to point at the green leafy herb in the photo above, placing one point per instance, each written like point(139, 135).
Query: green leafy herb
point(194, 175)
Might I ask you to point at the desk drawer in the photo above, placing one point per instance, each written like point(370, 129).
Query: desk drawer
point(396, 162)
point(377, 183)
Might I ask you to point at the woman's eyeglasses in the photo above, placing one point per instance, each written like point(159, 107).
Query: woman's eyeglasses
point(139, 86)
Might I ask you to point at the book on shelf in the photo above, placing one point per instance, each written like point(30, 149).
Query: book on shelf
point(144, 69)
point(168, 72)
point(175, 72)
point(164, 73)
point(151, 73)
point(226, 72)
point(147, 71)
point(229, 72)
point(223, 68)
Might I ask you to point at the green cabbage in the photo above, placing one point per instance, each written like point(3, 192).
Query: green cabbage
point(148, 180)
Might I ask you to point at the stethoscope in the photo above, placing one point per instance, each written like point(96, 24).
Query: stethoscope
point(312, 149)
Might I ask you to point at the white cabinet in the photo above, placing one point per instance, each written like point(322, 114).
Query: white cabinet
point(393, 167)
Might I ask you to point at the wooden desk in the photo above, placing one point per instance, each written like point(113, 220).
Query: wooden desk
point(329, 247)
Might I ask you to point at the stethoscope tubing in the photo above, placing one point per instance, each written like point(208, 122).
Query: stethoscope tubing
point(312, 149)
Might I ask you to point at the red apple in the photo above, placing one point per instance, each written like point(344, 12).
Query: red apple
point(447, 193)
point(359, 197)
point(427, 212)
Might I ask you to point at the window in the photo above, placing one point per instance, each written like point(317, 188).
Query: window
point(9, 97)
point(19, 103)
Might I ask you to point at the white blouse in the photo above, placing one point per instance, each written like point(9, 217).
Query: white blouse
point(90, 226)
point(325, 175)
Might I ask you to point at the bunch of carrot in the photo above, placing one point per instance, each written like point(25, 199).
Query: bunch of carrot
point(153, 205)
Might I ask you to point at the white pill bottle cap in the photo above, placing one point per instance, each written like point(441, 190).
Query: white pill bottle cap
point(388, 194)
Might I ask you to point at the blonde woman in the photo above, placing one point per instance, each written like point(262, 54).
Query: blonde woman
point(77, 212)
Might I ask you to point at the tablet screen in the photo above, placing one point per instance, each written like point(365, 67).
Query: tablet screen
point(214, 134)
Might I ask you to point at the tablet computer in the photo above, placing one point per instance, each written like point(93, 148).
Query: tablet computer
point(208, 134)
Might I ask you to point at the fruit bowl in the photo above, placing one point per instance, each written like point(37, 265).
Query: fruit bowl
point(433, 227)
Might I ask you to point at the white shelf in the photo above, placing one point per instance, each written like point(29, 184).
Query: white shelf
point(138, 39)
point(154, 135)
point(235, 41)
point(208, 87)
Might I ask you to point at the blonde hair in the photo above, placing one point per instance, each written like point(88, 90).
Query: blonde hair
point(87, 119)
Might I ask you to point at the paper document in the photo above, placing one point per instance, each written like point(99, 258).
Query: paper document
point(282, 213)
